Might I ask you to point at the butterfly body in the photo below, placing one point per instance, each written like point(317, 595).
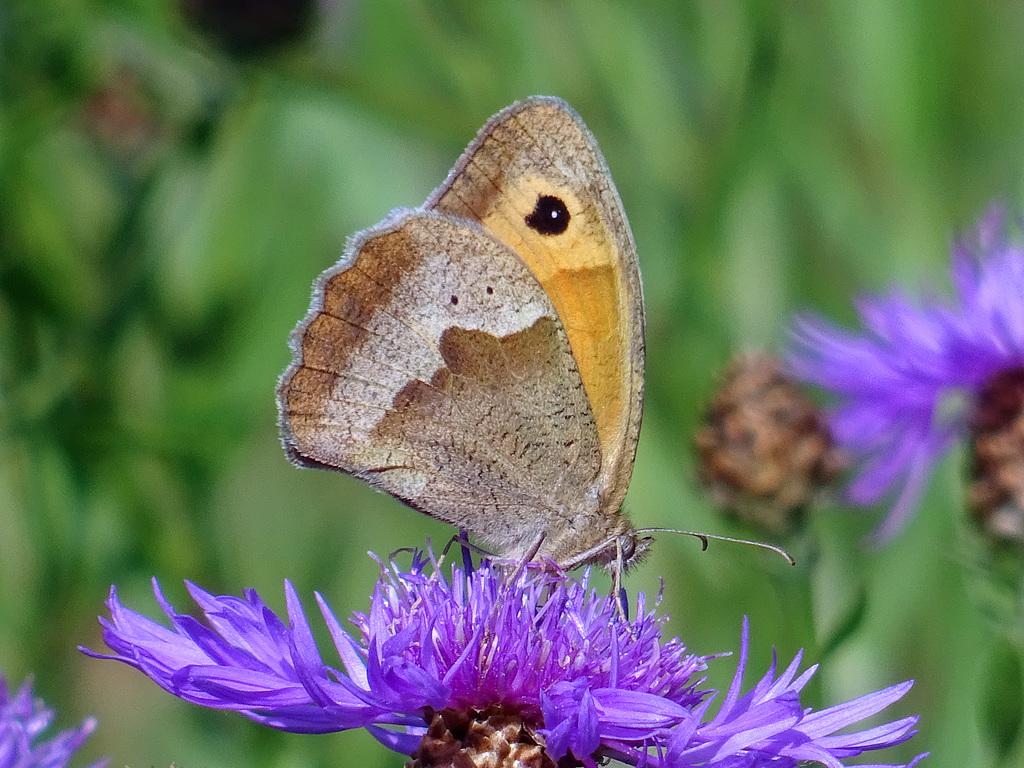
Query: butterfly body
point(481, 358)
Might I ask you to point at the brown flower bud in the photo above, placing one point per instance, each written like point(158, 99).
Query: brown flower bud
point(764, 449)
point(995, 494)
point(247, 28)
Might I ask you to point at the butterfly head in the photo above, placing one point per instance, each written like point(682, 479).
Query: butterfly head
point(617, 554)
point(630, 549)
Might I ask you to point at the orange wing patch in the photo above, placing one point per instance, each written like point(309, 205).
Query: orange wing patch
point(581, 274)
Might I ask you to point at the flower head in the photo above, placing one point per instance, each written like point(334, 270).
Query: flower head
point(22, 719)
point(528, 659)
point(909, 383)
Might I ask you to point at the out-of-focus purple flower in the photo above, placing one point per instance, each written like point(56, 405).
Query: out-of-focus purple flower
point(22, 719)
point(483, 647)
point(907, 384)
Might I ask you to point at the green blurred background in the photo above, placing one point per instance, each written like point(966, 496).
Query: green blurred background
point(174, 176)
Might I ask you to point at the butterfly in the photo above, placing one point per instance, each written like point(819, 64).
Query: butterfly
point(481, 357)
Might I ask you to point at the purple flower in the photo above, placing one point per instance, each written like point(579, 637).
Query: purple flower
point(483, 648)
point(22, 719)
point(908, 382)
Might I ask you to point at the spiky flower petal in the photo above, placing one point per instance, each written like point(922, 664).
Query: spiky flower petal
point(23, 719)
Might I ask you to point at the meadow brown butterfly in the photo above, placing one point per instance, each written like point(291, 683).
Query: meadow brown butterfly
point(481, 357)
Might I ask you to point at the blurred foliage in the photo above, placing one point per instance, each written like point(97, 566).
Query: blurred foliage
point(169, 190)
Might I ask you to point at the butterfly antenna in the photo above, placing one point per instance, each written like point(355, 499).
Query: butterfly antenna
point(704, 537)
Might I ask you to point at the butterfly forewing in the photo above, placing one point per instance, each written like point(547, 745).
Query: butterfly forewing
point(533, 152)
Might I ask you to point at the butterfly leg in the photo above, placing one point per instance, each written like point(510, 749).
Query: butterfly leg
point(618, 591)
point(462, 539)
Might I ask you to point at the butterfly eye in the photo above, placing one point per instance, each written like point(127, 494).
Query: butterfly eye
point(549, 216)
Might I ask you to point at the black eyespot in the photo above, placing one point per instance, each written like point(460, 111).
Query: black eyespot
point(549, 216)
point(490, 290)
point(455, 300)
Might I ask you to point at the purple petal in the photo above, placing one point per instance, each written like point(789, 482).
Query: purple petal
point(23, 719)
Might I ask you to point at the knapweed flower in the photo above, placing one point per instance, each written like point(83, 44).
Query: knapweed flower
point(491, 666)
point(922, 375)
point(22, 720)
